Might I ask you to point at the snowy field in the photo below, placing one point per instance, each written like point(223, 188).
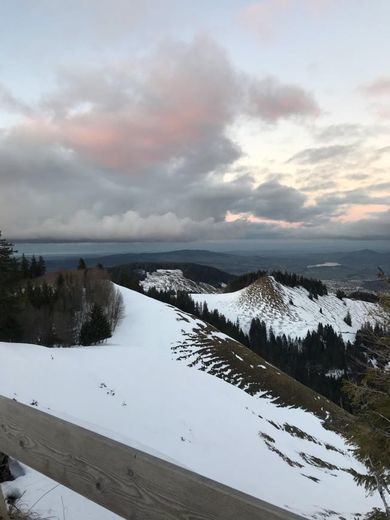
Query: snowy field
point(135, 390)
point(289, 310)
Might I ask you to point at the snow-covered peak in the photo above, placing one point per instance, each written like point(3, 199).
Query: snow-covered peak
point(289, 310)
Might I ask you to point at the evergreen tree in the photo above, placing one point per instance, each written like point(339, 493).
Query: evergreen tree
point(370, 399)
point(10, 330)
point(348, 319)
point(96, 329)
point(33, 267)
point(81, 264)
point(41, 266)
point(60, 280)
point(25, 267)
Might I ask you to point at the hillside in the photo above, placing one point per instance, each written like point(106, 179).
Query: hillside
point(175, 387)
point(174, 280)
point(165, 276)
point(289, 310)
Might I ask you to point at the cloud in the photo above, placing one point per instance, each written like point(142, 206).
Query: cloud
point(334, 203)
point(10, 103)
point(373, 227)
point(176, 103)
point(140, 149)
point(323, 153)
point(379, 87)
point(153, 127)
point(342, 131)
point(130, 226)
point(274, 201)
point(171, 108)
point(48, 192)
point(271, 101)
point(266, 18)
point(259, 17)
point(318, 185)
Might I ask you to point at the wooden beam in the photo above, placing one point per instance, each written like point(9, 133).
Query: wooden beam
point(3, 507)
point(128, 482)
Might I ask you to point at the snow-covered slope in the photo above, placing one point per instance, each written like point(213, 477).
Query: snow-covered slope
point(288, 310)
point(174, 280)
point(173, 386)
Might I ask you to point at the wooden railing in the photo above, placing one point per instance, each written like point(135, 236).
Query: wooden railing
point(128, 482)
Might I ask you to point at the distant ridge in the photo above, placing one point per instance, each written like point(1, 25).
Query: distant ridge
point(356, 265)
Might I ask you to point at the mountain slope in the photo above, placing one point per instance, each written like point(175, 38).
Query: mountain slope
point(174, 280)
point(174, 276)
point(173, 386)
point(288, 310)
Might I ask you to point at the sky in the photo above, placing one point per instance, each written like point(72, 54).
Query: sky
point(181, 121)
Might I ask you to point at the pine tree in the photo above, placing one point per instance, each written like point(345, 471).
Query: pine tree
point(41, 266)
point(81, 264)
point(25, 267)
point(9, 274)
point(60, 280)
point(96, 329)
point(370, 400)
point(348, 319)
point(33, 267)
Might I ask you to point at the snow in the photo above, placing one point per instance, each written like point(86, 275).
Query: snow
point(325, 264)
point(173, 280)
point(288, 310)
point(136, 390)
point(336, 373)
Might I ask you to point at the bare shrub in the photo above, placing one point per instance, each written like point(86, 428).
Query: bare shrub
point(56, 306)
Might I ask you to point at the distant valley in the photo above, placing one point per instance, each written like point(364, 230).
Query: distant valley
point(355, 266)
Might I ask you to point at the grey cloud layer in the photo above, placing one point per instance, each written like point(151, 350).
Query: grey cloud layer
point(323, 153)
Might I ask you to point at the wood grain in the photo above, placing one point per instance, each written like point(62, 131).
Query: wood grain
point(3, 507)
point(128, 482)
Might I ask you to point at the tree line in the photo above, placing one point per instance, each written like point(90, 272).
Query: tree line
point(65, 308)
point(320, 360)
point(32, 267)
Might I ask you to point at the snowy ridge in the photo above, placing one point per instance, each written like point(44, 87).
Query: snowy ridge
point(325, 264)
point(288, 310)
point(173, 386)
point(174, 280)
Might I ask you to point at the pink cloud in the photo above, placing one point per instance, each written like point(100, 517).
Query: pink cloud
point(165, 109)
point(264, 17)
point(379, 87)
point(271, 100)
point(187, 95)
point(259, 17)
